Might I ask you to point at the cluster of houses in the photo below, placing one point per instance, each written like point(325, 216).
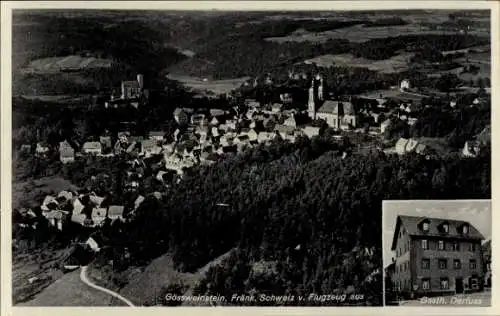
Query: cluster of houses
point(84, 209)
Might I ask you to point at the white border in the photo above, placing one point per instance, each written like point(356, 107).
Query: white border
point(5, 152)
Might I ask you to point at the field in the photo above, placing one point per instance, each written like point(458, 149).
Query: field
point(31, 194)
point(395, 64)
point(358, 34)
point(215, 86)
point(393, 94)
point(71, 62)
point(63, 99)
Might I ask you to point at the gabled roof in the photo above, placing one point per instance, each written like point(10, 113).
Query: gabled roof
point(178, 111)
point(130, 84)
point(92, 145)
point(115, 210)
point(412, 225)
point(337, 107)
point(156, 133)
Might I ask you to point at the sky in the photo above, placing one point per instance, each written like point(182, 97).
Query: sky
point(476, 212)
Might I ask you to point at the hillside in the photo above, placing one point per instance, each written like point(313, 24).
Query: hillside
point(289, 195)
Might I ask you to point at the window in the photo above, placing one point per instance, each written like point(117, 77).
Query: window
point(472, 264)
point(465, 229)
point(426, 263)
point(456, 246)
point(425, 226)
point(441, 245)
point(444, 284)
point(426, 284)
point(472, 247)
point(457, 264)
point(445, 228)
point(425, 244)
point(473, 283)
point(442, 263)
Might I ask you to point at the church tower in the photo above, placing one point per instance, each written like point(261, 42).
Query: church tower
point(311, 104)
point(321, 89)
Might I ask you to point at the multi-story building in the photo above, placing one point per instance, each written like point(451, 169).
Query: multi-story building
point(435, 255)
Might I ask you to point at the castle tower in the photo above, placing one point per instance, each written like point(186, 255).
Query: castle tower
point(311, 104)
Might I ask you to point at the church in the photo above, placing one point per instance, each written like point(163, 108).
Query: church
point(340, 115)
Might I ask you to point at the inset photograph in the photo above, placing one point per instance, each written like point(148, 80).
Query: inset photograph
point(437, 252)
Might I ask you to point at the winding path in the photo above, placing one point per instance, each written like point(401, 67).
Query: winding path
point(83, 277)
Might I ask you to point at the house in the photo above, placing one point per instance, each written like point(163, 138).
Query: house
point(285, 132)
point(290, 121)
point(150, 147)
point(138, 201)
point(471, 149)
point(404, 145)
point(160, 174)
point(66, 152)
point(384, 125)
point(41, 148)
point(94, 242)
point(226, 140)
point(286, 97)
point(227, 150)
point(93, 148)
point(215, 121)
point(197, 119)
point(265, 137)
point(310, 131)
point(252, 103)
point(177, 163)
point(67, 195)
point(231, 124)
point(115, 212)
point(404, 85)
point(252, 135)
point(98, 216)
point(130, 89)
point(49, 203)
point(105, 142)
point(242, 139)
point(276, 107)
point(180, 116)
point(56, 218)
point(338, 115)
point(25, 149)
point(156, 136)
point(217, 112)
point(438, 256)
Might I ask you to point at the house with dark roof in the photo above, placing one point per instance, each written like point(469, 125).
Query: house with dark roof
point(66, 152)
point(436, 256)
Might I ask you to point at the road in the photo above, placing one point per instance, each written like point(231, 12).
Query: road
point(83, 277)
point(472, 299)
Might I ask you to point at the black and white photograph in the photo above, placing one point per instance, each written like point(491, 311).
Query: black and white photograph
point(239, 158)
point(437, 252)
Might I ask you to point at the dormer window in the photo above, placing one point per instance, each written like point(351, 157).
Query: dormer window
point(446, 227)
point(465, 229)
point(425, 226)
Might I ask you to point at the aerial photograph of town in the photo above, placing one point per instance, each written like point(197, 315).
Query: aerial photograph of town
point(239, 158)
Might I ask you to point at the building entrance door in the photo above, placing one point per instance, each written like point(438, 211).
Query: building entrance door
point(459, 285)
